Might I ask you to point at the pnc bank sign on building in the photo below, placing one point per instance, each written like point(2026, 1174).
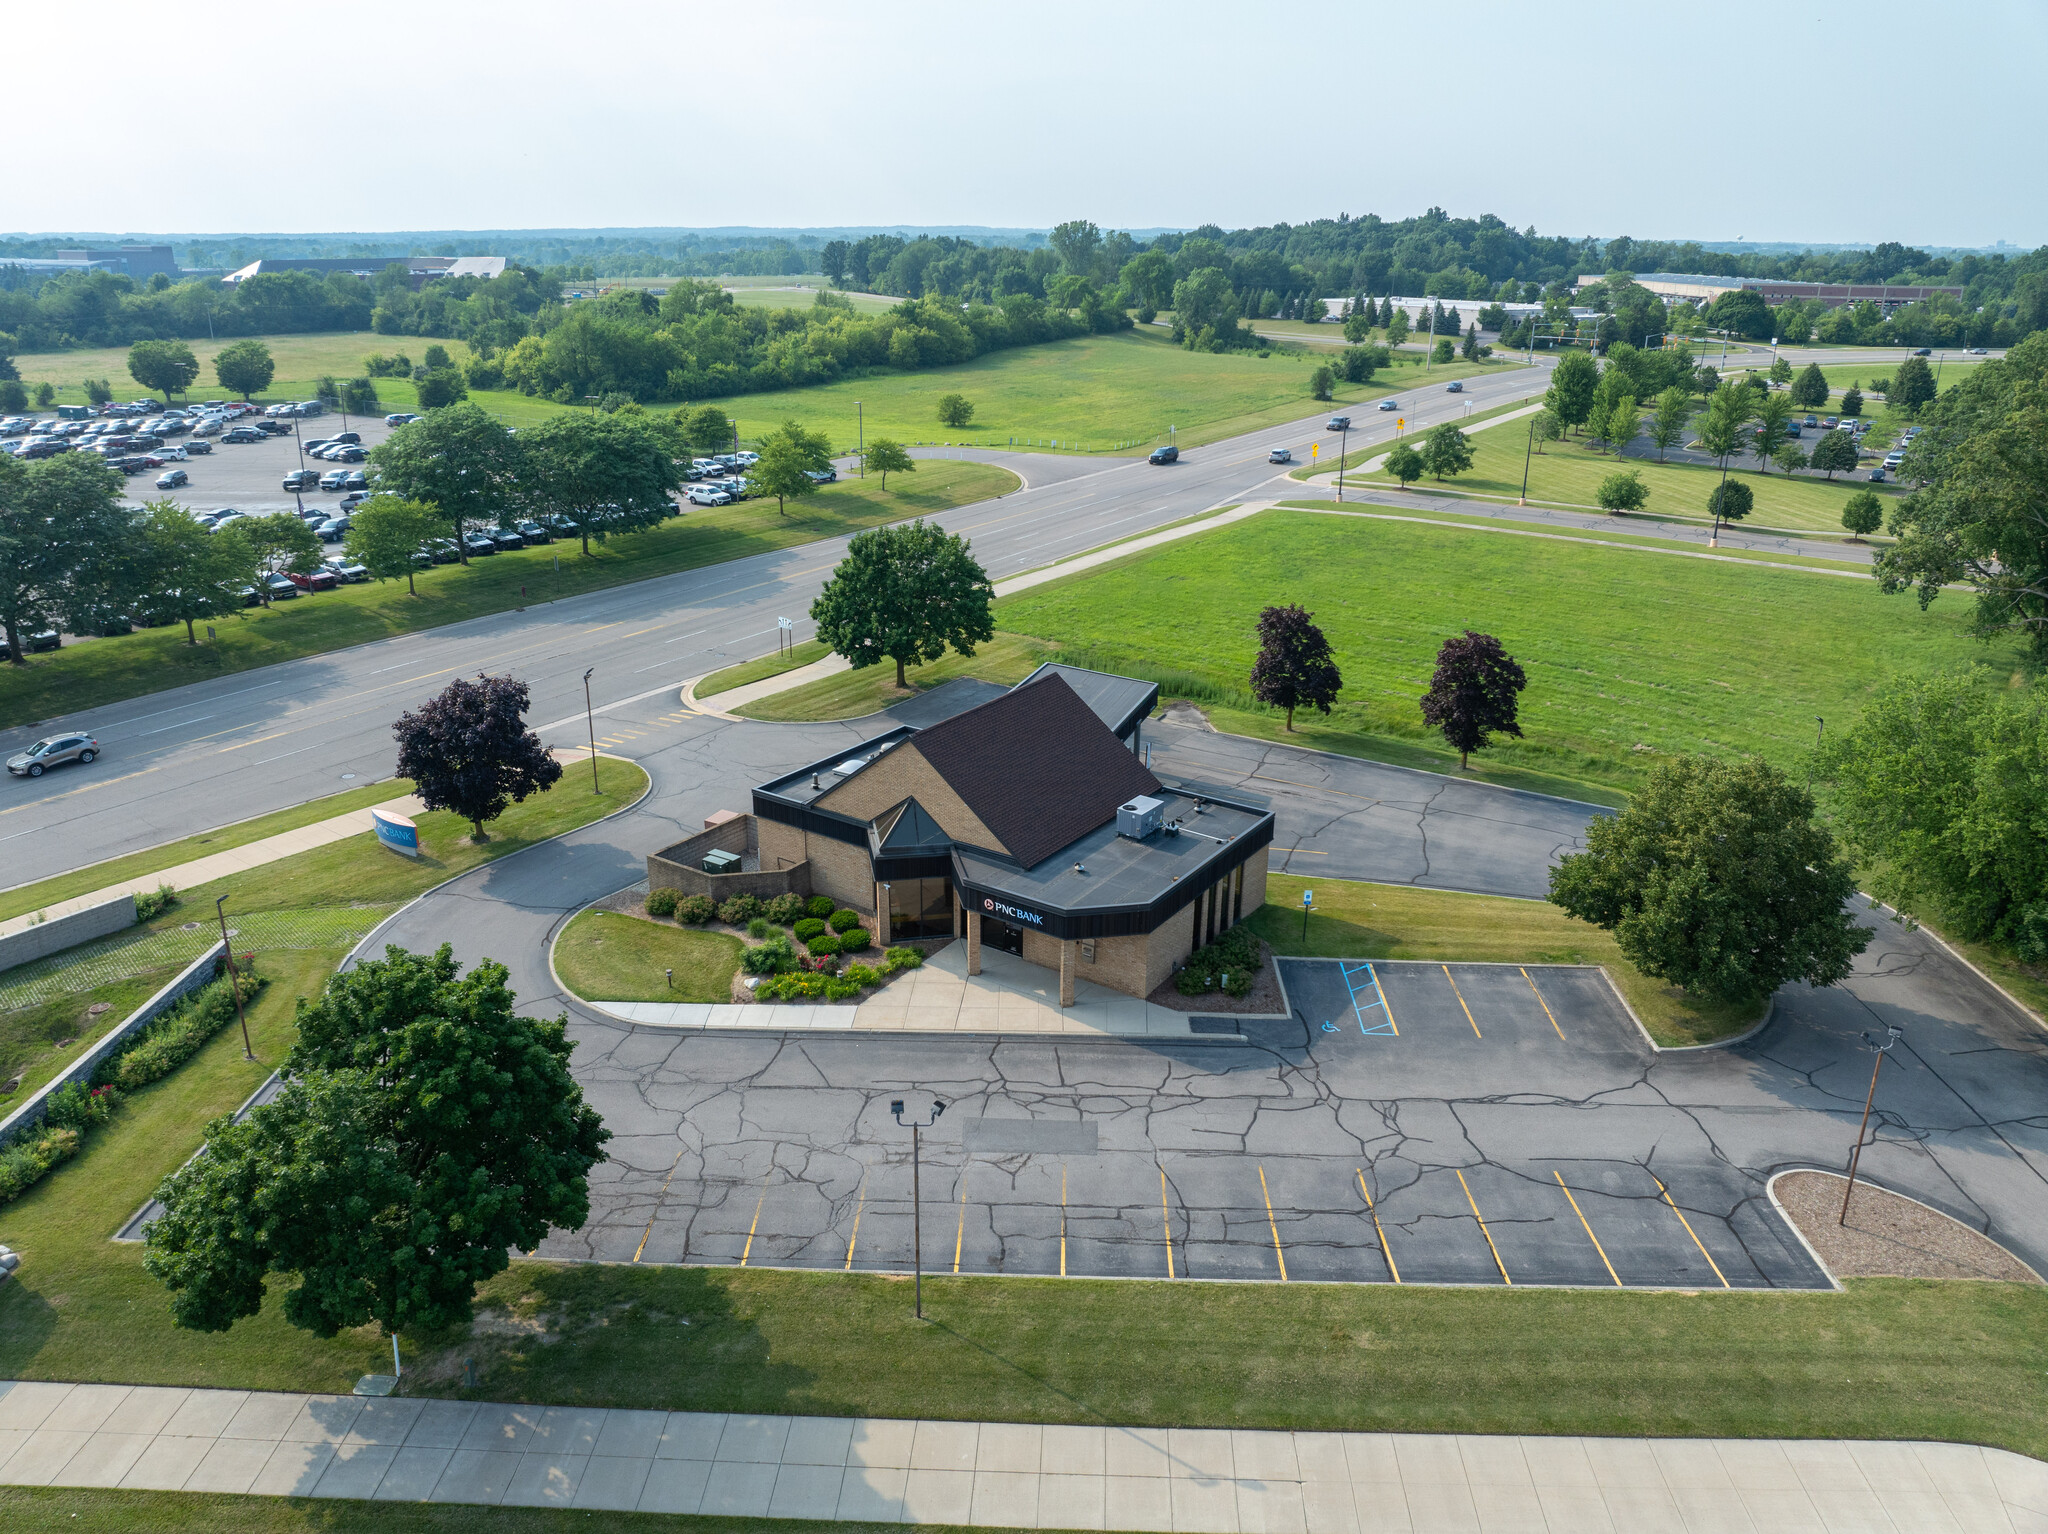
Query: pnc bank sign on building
point(1029, 823)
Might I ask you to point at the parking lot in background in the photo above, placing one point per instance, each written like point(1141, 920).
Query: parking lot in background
point(1413, 1123)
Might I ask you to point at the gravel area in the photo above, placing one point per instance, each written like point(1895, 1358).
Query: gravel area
point(1890, 1237)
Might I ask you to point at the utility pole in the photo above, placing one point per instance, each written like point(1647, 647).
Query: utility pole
point(1526, 451)
point(234, 976)
point(590, 720)
point(1343, 437)
point(1893, 1034)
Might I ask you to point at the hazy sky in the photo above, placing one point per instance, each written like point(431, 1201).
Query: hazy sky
point(1788, 120)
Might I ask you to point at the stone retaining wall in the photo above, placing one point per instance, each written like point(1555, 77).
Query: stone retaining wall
point(61, 932)
point(678, 868)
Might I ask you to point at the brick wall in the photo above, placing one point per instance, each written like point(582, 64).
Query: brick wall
point(61, 932)
point(679, 867)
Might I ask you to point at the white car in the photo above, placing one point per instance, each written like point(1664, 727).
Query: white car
point(746, 459)
point(170, 454)
point(702, 495)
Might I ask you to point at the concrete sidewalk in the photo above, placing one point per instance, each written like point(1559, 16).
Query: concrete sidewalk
point(1219, 1481)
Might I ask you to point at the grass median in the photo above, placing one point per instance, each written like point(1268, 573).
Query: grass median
point(606, 956)
point(1005, 660)
point(88, 673)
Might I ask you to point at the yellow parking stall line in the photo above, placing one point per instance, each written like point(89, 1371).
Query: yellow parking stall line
point(748, 1250)
point(1588, 1225)
point(1166, 1221)
point(1483, 1230)
point(960, 1232)
point(1543, 1004)
point(1691, 1232)
point(1063, 1219)
point(857, 1209)
point(1385, 1250)
point(657, 1206)
point(1270, 1225)
point(1461, 1002)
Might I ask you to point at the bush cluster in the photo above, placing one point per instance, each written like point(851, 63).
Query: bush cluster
point(820, 984)
point(176, 1037)
point(24, 1163)
point(1235, 954)
point(901, 958)
point(81, 1107)
point(843, 920)
point(661, 902)
point(854, 939)
point(819, 906)
point(155, 902)
point(739, 910)
point(784, 909)
point(808, 928)
point(759, 928)
point(823, 945)
point(775, 957)
point(695, 910)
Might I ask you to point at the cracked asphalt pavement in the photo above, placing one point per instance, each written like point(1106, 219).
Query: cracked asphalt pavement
point(1467, 1125)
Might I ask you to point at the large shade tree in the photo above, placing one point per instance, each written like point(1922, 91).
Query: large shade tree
point(55, 515)
point(1295, 668)
point(456, 459)
point(1473, 694)
point(166, 366)
point(468, 750)
point(600, 474)
point(905, 593)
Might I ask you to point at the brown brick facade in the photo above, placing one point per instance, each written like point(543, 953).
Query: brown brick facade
point(679, 867)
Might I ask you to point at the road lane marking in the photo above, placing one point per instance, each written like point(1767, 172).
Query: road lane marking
point(657, 1205)
point(1543, 1004)
point(1588, 1226)
point(1270, 1225)
point(748, 1250)
point(1385, 1250)
point(1461, 1002)
point(1691, 1232)
point(1483, 1230)
point(1166, 1221)
point(863, 1204)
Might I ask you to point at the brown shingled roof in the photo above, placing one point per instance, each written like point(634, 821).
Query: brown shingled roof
point(1037, 766)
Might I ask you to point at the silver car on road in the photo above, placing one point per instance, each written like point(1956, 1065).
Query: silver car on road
point(53, 751)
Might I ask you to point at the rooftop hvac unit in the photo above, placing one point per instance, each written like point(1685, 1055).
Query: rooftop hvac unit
point(1139, 818)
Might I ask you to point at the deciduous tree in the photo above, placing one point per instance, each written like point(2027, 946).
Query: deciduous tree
point(457, 460)
point(711, 430)
point(1572, 382)
point(1717, 879)
point(1294, 668)
point(602, 474)
point(53, 513)
point(1862, 514)
point(245, 367)
point(887, 457)
point(1446, 451)
point(194, 574)
point(1668, 422)
point(1623, 490)
point(904, 593)
point(1322, 383)
point(1405, 464)
point(166, 366)
point(1773, 416)
point(468, 750)
point(385, 535)
point(1834, 453)
point(1473, 693)
point(955, 409)
point(1731, 501)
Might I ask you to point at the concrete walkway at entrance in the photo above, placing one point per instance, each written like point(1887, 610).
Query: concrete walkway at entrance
point(1008, 996)
point(888, 1470)
point(235, 860)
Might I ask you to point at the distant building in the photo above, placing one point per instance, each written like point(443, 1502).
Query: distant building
point(138, 261)
point(423, 269)
point(1674, 287)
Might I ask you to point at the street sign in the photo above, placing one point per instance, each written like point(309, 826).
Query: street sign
point(1400, 423)
point(1308, 897)
point(1314, 448)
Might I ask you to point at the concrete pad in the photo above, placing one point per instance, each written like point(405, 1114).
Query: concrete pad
point(1576, 1508)
point(1263, 1456)
point(1782, 1511)
point(441, 1425)
point(1509, 1509)
point(1327, 1507)
point(87, 1408)
point(739, 1489)
point(292, 1470)
point(1825, 1466)
point(630, 1435)
point(1644, 1509)
point(1137, 1502)
point(1204, 1505)
point(1886, 1469)
point(674, 1485)
point(104, 1460)
point(1623, 1463)
point(1382, 1507)
point(166, 1464)
point(690, 1435)
point(205, 1413)
point(1070, 1450)
point(1199, 1451)
point(567, 1430)
point(39, 1461)
point(1320, 1456)
point(1271, 1507)
point(265, 1414)
point(1429, 1459)
point(1009, 1446)
point(25, 1403)
point(324, 1419)
point(231, 1465)
point(384, 1422)
point(2020, 1481)
point(1071, 1502)
point(506, 1429)
point(938, 1496)
point(871, 1495)
point(145, 1409)
point(1557, 1462)
point(1713, 1510)
point(413, 1474)
point(476, 1475)
point(612, 1484)
point(1756, 1465)
point(753, 1440)
point(817, 1441)
point(1491, 1461)
point(355, 1470)
point(806, 1491)
point(545, 1479)
point(1691, 1464)
point(944, 1446)
point(1135, 1451)
point(1372, 1456)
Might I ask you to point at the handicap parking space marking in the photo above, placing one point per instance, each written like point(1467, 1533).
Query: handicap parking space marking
point(1359, 1009)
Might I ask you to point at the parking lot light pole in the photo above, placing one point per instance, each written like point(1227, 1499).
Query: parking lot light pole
point(234, 975)
point(1529, 448)
point(1343, 437)
point(590, 720)
point(1893, 1033)
point(916, 1191)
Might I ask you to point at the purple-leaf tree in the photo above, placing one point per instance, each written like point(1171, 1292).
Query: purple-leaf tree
point(1473, 693)
point(469, 751)
point(1294, 668)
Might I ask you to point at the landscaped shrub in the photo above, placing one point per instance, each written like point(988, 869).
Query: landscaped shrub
point(176, 1037)
point(695, 910)
point(784, 909)
point(839, 988)
point(661, 902)
point(843, 920)
point(23, 1163)
point(820, 906)
point(854, 939)
point(800, 985)
point(901, 958)
point(773, 957)
point(739, 910)
point(824, 945)
point(759, 928)
point(862, 975)
point(1235, 954)
point(81, 1107)
point(809, 928)
point(155, 902)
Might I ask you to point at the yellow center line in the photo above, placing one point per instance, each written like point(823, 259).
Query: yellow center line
point(259, 740)
point(1691, 1232)
point(1483, 1230)
point(1385, 1250)
point(1589, 1230)
point(1543, 1004)
point(1270, 1225)
point(1461, 1002)
point(748, 1250)
point(1063, 1219)
point(1166, 1221)
point(657, 1206)
point(863, 1204)
point(960, 1232)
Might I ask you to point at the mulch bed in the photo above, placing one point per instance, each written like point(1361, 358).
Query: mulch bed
point(1264, 997)
point(1890, 1237)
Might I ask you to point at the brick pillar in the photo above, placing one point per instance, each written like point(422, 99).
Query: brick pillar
point(974, 942)
point(1068, 949)
point(881, 916)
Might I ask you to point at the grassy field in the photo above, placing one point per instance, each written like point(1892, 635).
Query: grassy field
point(301, 360)
point(1569, 474)
point(80, 881)
point(1007, 658)
point(97, 671)
point(1399, 921)
point(1631, 656)
point(604, 956)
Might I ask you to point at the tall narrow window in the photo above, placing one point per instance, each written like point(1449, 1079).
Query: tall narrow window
point(1237, 894)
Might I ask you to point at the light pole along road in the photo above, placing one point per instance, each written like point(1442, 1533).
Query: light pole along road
point(181, 762)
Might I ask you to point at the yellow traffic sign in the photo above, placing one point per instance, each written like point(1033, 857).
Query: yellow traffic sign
point(1400, 423)
point(1314, 448)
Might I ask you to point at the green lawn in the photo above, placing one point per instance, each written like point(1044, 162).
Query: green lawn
point(1006, 659)
point(301, 360)
point(80, 881)
point(1569, 474)
point(762, 667)
point(1631, 656)
point(1399, 921)
point(90, 673)
point(605, 956)
point(37, 1042)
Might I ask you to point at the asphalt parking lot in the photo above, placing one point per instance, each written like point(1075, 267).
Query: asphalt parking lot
point(248, 475)
point(1324, 1148)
